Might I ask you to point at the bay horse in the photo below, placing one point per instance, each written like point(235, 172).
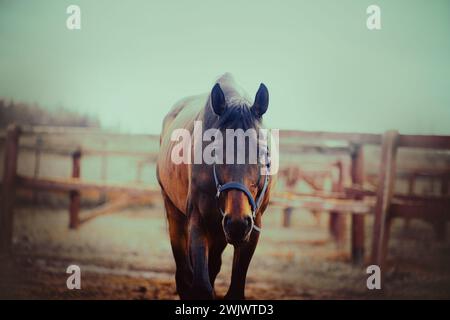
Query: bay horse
point(209, 205)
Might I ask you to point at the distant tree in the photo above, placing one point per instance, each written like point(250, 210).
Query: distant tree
point(34, 115)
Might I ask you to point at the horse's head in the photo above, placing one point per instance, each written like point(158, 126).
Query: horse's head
point(239, 179)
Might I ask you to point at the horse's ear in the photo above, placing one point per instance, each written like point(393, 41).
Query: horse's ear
point(218, 103)
point(261, 101)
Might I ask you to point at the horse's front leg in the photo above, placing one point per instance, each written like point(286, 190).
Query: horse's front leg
point(198, 250)
point(241, 260)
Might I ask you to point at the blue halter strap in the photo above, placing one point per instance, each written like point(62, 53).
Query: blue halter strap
point(233, 185)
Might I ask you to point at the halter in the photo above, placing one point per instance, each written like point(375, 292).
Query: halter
point(233, 185)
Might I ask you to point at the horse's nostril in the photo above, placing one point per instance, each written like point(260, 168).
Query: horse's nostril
point(226, 221)
point(236, 230)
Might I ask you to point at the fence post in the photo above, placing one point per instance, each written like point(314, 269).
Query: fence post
point(37, 163)
point(287, 213)
point(75, 199)
point(411, 188)
point(104, 165)
point(357, 175)
point(385, 191)
point(337, 219)
point(9, 189)
point(440, 225)
point(104, 169)
point(292, 175)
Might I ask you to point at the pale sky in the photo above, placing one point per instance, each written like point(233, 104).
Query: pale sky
point(132, 60)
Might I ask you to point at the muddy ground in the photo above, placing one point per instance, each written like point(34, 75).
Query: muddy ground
point(126, 255)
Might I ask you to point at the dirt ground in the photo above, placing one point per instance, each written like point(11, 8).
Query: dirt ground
point(127, 255)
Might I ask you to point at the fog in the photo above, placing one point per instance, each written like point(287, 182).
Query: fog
point(324, 69)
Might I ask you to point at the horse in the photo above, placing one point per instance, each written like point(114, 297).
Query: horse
point(211, 205)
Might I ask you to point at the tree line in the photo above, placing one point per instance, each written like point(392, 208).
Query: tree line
point(35, 115)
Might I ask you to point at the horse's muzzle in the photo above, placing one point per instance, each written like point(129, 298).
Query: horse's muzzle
point(237, 230)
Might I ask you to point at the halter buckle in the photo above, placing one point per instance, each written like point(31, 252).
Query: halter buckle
point(218, 191)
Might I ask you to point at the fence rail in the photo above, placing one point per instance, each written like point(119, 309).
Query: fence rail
point(381, 201)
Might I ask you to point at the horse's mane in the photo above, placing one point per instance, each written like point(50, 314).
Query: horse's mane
point(238, 114)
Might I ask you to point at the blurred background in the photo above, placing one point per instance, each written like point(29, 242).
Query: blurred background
point(90, 103)
point(130, 62)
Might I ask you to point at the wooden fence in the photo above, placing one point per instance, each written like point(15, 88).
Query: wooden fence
point(355, 200)
point(74, 185)
point(382, 202)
